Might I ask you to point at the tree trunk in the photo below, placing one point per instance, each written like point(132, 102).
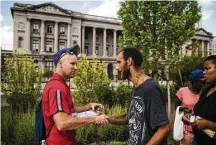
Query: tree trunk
point(169, 100)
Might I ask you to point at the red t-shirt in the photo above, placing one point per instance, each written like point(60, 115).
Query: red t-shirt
point(57, 98)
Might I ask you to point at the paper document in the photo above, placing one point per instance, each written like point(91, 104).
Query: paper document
point(84, 114)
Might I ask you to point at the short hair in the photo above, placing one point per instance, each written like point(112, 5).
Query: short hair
point(135, 54)
point(211, 58)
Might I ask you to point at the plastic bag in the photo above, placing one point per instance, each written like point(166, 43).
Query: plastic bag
point(178, 129)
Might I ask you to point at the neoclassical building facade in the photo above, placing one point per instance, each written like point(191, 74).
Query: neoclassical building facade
point(41, 30)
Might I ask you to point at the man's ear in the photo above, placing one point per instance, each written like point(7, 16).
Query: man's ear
point(60, 63)
point(130, 61)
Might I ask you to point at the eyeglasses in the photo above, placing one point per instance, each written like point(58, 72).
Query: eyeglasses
point(63, 54)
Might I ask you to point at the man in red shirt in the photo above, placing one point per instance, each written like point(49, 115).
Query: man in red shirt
point(57, 103)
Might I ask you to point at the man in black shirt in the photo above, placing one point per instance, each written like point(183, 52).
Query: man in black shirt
point(146, 118)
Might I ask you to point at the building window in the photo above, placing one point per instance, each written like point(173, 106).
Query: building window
point(107, 39)
point(97, 50)
point(97, 38)
point(49, 46)
point(107, 50)
point(86, 50)
point(49, 66)
point(86, 36)
point(62, 30)
point(35, 45)
point(74, 42)
point(49, 28)
point(110, 71)
point(20, 42)
point(35, 28)
point(61, 45)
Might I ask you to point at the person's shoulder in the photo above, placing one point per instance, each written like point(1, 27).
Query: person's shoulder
point(151, 84)
point(55, 85)
point(184, 89)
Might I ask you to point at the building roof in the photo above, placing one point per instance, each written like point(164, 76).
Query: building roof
point(204, 33)
point(62, 11)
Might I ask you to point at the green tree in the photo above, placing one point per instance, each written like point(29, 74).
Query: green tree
point(21, 82)
point(180, 73)
point(159, 29)
point(91, 82)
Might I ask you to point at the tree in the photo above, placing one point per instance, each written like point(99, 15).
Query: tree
point(184, 67)
point(91, 82)
point(21, 82)
point(159, 29)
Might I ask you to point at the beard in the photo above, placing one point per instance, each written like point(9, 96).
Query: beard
point(126, 74)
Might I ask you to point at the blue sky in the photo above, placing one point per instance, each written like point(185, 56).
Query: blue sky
point(104, 8)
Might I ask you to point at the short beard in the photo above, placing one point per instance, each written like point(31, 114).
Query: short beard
point(126, 74)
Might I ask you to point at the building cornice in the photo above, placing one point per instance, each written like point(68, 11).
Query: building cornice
point(65, 12)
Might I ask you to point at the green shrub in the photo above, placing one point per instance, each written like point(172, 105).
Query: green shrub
point(116, 143)
point(24, 129)
point(17, 128)
point(7, 125)
point(173, 91)
point(91, 133)
point(122, 95)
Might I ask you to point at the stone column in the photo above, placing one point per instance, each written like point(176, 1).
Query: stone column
point(56, 37)
point(104, 42)
point(209, 50)
point(83, 39)
point(202, 48)
point(93, 43)
point(114, 43)
point(68, 35)
point(42, 36)
point(28, 37)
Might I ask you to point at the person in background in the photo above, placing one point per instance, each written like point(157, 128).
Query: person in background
point(205, 108)
point(188, 97)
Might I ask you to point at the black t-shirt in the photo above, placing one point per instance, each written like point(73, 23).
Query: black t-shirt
point(146, 113)
point(205, 108)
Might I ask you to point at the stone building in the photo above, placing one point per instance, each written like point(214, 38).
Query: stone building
point(41, 30)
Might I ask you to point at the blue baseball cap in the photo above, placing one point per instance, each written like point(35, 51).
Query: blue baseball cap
point(72, 50)
point(196, 75)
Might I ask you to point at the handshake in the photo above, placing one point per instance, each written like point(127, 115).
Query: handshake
point(100, 119)
point(96, 112)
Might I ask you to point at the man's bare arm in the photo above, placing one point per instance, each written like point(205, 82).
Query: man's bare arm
point(159, 135)
point(63, 121)
point(118, 120)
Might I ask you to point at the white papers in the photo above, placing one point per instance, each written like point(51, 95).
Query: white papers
point(84, 114)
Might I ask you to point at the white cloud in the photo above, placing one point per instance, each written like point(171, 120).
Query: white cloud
point(206, 14)
point(1, 18)
point(85, 4)
point(6, 37)
point(205, 3)
point(107, 8)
